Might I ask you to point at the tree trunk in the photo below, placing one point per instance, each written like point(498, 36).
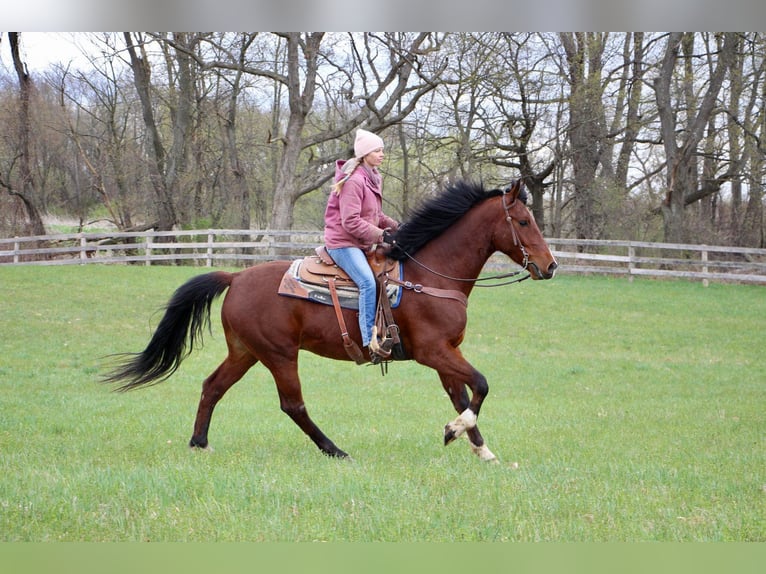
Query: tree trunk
point(285, 194)
point(181, 113)
point(632, 123)
point(26, 190)
point(753, 228)
point(301, 100)
point(166, 212)
point(237, 170)
point(734, 137)
point(585, 130)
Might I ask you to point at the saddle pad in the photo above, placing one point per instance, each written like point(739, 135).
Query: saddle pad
point(293, 285)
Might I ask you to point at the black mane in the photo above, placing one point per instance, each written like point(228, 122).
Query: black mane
point(436, 214)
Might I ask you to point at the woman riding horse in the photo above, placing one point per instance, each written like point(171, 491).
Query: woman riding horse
point(443, 247)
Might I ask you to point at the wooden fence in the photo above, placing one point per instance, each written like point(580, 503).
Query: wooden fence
point(237, 247)
point(641, 258)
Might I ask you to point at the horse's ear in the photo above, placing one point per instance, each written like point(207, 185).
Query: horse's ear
point(516, 191)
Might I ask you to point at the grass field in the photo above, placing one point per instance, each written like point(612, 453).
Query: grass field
point(635, 412)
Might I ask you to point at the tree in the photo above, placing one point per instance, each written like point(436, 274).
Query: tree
point(629, 101)
point(384, 67)
point(231, 147)
point(524, 101)
point(23, 186)
point(681, 139)
point(97, 113)
point(394, 71)
point(744, 136)
point(300, 95)
point(754, 127)
point(586, 131)
point(489, 111)
point(165, 168)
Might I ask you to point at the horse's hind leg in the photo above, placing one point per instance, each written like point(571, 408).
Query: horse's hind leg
point(291, 403)
point(215, 386)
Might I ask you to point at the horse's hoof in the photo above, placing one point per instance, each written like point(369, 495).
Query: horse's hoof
point(337, 453)
point(198, 445)
point(452, 430)
point(449, 435)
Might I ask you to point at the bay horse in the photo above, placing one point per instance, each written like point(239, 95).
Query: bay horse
point(442, 246)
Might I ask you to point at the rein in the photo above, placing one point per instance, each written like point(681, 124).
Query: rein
point(478, 279)
point(516, 242)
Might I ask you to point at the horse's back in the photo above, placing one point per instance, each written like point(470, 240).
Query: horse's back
point(257, 285)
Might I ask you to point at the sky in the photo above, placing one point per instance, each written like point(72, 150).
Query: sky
point(39, 50)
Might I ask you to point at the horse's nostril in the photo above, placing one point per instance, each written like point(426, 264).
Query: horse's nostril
point(551, 271)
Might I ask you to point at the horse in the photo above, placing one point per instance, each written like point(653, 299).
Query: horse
point(441, 247)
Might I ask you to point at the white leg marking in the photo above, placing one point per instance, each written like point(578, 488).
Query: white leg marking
point(483, 452)
point(465, 420)
point(469, 418)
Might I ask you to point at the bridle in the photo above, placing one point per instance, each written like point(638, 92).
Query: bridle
point(516, 241)
point(509, 219)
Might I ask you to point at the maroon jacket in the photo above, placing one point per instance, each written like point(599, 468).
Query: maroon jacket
point(354, 217)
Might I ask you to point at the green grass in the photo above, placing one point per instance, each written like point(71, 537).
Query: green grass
point(635, 411)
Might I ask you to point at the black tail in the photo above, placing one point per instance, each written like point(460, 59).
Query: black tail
point(186, 316)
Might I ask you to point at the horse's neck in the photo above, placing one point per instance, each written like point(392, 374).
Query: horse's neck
point(462, 250)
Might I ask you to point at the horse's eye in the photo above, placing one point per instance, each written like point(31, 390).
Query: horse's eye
point(523, 222)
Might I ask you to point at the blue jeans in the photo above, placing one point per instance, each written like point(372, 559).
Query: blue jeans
point(353, 261)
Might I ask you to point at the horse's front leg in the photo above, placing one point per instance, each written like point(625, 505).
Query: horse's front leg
point(466, 423)
point(479, 447)
point(455, 379)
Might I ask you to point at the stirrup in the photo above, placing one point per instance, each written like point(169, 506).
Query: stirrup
point(385, 346)
point(375, 358)
point(380, 349)
point(379, 353)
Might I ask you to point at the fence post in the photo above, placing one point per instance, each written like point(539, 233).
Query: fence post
point(83, 252)
point(631, 262)
point(16, 247)
point(148, 250)
point(705, 281)
point(210, 239)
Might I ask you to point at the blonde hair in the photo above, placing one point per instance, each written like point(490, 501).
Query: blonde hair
point(348, 168)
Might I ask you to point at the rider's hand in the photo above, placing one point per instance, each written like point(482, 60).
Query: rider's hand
point(387, 239)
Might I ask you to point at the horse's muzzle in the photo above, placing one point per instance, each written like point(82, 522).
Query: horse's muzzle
point(547, 274)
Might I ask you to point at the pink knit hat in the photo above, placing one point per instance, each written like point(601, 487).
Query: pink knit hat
point(365, 143)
